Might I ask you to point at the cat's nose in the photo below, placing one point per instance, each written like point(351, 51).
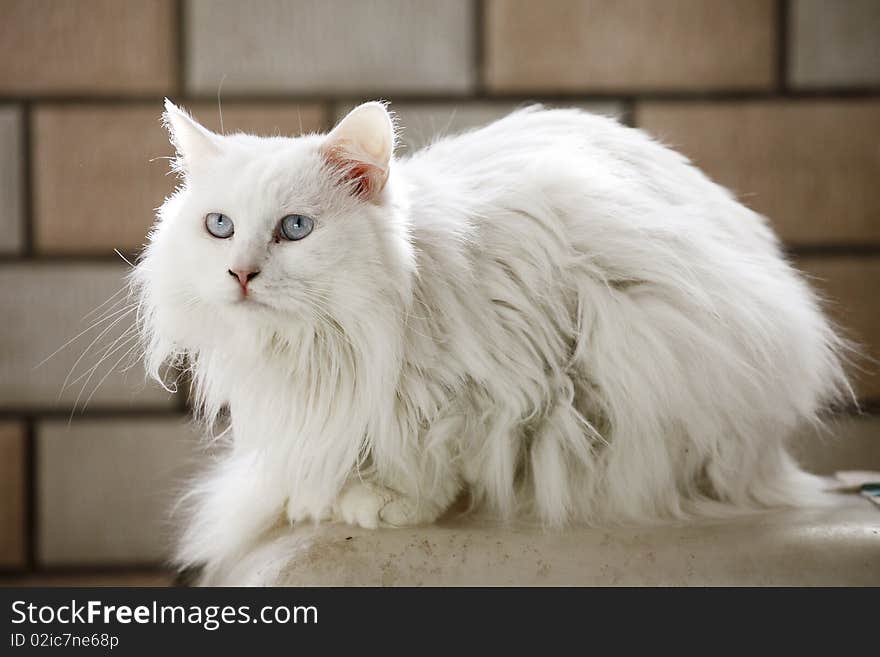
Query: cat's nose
point(244, 276)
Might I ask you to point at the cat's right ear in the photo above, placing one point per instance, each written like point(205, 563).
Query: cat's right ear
point(360, 148)
point(193, 142)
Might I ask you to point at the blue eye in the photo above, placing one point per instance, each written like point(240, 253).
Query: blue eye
point(219, 225)
point(296, 226)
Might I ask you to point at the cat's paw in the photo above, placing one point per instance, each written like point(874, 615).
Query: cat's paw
point(370, 506)
point(403, 511)
point(360, 504)
point(299, 512)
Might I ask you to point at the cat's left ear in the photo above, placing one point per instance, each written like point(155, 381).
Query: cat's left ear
point(195, 144)
point(360, 147)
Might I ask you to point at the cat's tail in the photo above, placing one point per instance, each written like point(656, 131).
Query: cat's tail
point(776, 482)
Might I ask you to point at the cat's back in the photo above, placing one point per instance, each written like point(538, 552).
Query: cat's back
point(519, 139)
point(598, 170)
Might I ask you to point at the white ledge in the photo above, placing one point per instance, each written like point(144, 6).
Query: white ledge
point(835, 546)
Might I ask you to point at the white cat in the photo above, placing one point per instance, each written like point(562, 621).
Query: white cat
point(553, 313)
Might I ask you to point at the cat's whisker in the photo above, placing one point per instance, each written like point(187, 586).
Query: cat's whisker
point(135, 361)
point(122, 315)
point(126, 260)
point(172, 386)
point(109, 299)
point(76, 337)
point(107, 354)
point(222, 433)
point(117, 307)
point(128, 336)
point(219, 105)
point(107, 375)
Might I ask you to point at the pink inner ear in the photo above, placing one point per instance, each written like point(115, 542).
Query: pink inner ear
point(361, 177)
point(366, 180)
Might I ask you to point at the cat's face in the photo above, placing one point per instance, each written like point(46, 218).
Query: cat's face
point(273, 232)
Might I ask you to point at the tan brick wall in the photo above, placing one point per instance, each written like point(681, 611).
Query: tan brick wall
point(12, 495)
point(106, 488)
point(90, 47)
point(11, 176)
point(812, 167)
point(620, 46)
point(777, 99)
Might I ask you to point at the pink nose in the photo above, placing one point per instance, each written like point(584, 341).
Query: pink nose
point(244, 277)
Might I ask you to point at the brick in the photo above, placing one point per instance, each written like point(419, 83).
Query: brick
point(42, 306)
point(807, 165)
point(106, 488)
point(11, 236)
point(13, 483)
point(422, 123)
point(321, 46)
point(834, 44)
point(51, 47)
point(98, 175)
point(100, 171)
point(629, 45)
point(284, 119)
point(850, 287)
point(844, 443)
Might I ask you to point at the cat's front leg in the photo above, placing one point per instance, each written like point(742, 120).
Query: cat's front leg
point(371, 505)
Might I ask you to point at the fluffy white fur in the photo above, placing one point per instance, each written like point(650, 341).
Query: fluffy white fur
point(554, 313)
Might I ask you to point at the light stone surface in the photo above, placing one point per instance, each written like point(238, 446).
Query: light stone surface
point(832, 547)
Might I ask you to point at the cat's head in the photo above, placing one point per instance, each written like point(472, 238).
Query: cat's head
point(268, 234)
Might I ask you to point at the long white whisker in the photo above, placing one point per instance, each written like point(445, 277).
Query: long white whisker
point(88, 349)
point(126, 260)
point(111, 298)
point(219, 105)
point(135, 361)
point(94, 369)
point(117, 307)
point(128, 336)
point(109, 372)
point(76, 337)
